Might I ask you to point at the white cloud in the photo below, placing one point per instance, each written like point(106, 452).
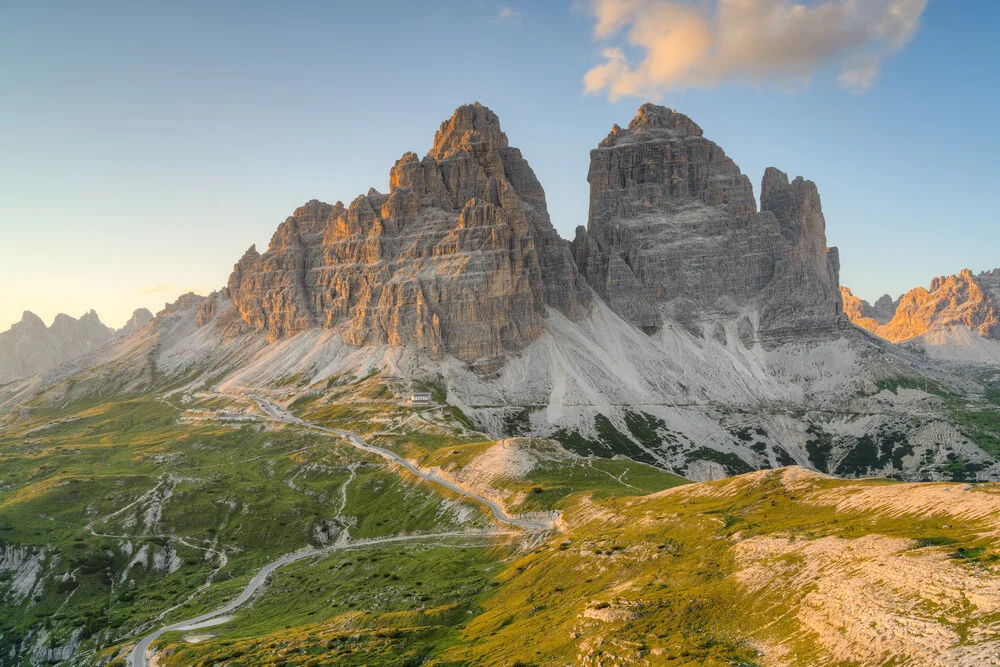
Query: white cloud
point(859, 73)
point(703, 43)
point(507, 15)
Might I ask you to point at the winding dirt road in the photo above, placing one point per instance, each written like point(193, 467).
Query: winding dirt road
point(278, 414)
point(137, 657)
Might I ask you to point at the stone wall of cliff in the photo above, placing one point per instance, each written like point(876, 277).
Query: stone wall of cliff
point(459, 258)
point(674, 229)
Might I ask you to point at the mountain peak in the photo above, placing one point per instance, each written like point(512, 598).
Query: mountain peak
point(964, 300)
point(473, 128)
point(30, 319)
point(654, 115)
point(140, 318)
point(63, 320)
point(653, 122)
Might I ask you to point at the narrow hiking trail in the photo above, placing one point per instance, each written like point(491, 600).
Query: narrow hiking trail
point(137, 657)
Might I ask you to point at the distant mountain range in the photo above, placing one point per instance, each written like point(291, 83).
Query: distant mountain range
point(957, 319)
point(30, 348)
point(684, 326)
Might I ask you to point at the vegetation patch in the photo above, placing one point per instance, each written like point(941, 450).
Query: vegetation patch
point(819, 447)
point(516, 422)
point(874, 453)
point(648, 430)
point(609, 443)
point(923, 384)
point(733, 464)
point(979, 424)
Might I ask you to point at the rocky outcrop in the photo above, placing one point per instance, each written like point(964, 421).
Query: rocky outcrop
point(884, 309)
point(803, 300)
point(859, 311)
point(459, 257)
point(965, 300)
point(29, 347)
point(674, 231)
point(140, 318)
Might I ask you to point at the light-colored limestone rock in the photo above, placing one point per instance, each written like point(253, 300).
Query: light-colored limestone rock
point(674, 230)
point(459, 258)
point(964, 300)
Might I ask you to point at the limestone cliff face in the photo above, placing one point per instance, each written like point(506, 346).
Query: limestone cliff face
point(967, 300)
point(674, 230)
point(459, 258)
point(803, 300)
point(859, 311)
point(29, 347)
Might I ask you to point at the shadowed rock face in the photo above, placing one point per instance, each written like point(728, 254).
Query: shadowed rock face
point(460, 256)
point(803, 300)
point(674, 229)
point(967, 300)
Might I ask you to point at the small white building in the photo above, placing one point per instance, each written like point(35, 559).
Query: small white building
point(420, 398)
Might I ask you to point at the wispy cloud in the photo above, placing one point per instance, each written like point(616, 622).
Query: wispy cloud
point(704, 44)
point(507, 15)
point(153, 289)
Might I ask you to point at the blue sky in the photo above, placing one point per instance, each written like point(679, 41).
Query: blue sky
point(145, 146)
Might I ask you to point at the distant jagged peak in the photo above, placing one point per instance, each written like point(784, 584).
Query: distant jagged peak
point(140, 318)
point(964, 299)
point(182, 303)
point(89, 320)
point(91, 316)
point(29, 319)
point(30, 347)
point(474, 128)
point(313, 208)
point(62, 319)
point(251, 253)
point(962, 277)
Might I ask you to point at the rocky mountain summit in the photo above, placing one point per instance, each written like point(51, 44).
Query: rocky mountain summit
point(29, 347)
point(674, 231)
point(946, 315)
point(459, 258)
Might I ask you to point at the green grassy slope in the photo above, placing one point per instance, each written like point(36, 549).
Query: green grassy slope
point(191, 491)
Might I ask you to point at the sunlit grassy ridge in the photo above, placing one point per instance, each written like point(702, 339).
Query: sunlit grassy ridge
point(785, 567)
point(534, 474)
point(778, 568)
